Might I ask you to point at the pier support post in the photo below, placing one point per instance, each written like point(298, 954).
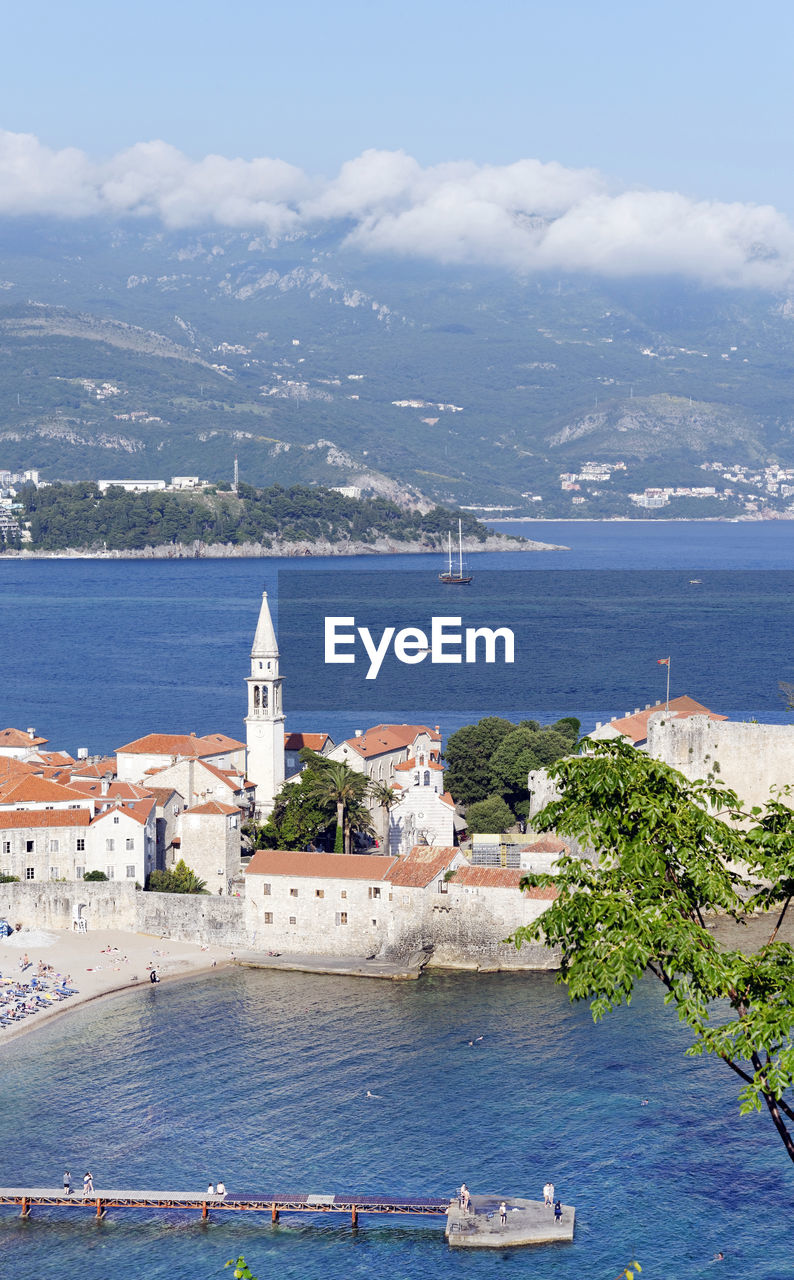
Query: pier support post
point(100, 1212)
point(25, 1208)
point(204, 1211)
point(354, 1215)
point(273, 1213)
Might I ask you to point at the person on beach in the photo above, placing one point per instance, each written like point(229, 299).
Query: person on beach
point(503, 1214)
point(557, 1212)
point(67, 1183)
point(88, 1185)
point(153, 976)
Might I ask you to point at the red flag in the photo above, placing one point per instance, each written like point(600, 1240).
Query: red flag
point(663, 662)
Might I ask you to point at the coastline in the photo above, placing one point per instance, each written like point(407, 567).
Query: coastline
point(283, 550)
point(109, 973)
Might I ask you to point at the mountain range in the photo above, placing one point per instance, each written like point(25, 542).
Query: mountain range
point(131, 351)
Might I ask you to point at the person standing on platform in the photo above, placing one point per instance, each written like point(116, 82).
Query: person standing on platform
point(465, 1198)
point(503, 1214)
point(67, 1183)
point(548, 1194)
point(88, 1185)
point(557, 1212)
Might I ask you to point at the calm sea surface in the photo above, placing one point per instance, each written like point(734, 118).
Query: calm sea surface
point(95, 653)
point(261, 1078)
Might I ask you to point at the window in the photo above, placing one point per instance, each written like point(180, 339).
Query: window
point(30, 873)
point(443, 886)
point(343, 894)
point(110, 872)
point(80, 844)
point(319, 893)
point(110, 845)
point(53, 873)
point(374, 891)
point(116, 818)
point(266, 890)
point(53, 846)
point(30, 847)
point(293, 893)
point(293, 919)
point(6, 846)
point(374, 922)
point(78, 871)
point(341, 917)
point(129, 843)
point(130, 871)
point(268, 917)
point(427, 777)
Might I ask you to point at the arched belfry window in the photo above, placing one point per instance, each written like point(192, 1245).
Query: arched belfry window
point(256, 696)
point(427, 777)
point(264, 697)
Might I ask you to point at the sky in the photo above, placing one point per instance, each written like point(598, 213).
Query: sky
point(681, 111)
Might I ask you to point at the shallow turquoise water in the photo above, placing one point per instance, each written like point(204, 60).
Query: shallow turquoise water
point(261, 1079)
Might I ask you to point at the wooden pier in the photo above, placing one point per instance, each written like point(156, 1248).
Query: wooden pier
point(528, 1221)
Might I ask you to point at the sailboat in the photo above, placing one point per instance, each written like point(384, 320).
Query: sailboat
point(456, 574)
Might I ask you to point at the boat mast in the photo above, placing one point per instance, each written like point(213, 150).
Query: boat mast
point(460, 549)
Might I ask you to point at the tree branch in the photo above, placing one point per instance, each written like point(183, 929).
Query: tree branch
point(780, 919)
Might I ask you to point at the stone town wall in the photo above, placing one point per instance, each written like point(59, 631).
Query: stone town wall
point(750, 758)
point(467, 929)
point(52, 905)
point(189, 917)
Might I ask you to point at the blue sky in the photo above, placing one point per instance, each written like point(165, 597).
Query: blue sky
point(694, 97)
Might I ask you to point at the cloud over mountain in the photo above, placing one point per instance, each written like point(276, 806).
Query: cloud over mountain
point(525, 216)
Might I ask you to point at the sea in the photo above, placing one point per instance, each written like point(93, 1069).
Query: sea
point(262, 1078)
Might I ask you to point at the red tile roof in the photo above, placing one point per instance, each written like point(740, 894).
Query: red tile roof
point(384, 738)
point(117, 810)
point(214, 807)
point(163, 794)
point(314, 741)
point(18, 738)
point(13, 819)
point(58, 759)
point(96, 770)
point(548, 844)
point(411, 764)
point(34, 790)
point(499, 878)
point(13, 769)
point(318, 866)
point(182, 744)
point(421, 866)
point(635, 727)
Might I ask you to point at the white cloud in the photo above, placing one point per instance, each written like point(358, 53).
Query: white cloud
point(525, 216)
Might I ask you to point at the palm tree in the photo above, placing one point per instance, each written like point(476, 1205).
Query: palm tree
point(386, 798)
point(338, 784)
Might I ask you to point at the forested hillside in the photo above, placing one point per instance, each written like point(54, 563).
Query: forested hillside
point(79, 516)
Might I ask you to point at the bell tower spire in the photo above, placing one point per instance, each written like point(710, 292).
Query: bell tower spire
point(264, 723)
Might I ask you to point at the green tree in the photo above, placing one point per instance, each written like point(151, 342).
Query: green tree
point(491, 815)
point(178, 880)
point(341, 786)
point(467, 758)
point(95, 875)
point(671, 852)
point(386, 798)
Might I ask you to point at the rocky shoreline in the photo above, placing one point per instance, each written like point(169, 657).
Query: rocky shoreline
point(282, 548)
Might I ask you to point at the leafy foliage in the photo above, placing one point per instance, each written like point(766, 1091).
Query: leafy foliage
point(95, 875)
point(178, 880)
point(79, 515)
point(489, 816)
point(241, 1269)
point(494, 756)
point(670, 852)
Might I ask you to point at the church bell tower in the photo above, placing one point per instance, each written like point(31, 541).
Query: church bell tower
point(264, 723)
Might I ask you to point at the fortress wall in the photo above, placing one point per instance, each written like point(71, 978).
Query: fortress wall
point(39, 905)
point(189, 917)
point(750, 758)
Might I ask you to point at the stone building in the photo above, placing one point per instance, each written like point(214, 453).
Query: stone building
point(209, 837)
point(750, 758)
point(137, 760)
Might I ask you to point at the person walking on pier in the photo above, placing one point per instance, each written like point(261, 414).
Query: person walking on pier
point(67, 1183)
point(88, 1185)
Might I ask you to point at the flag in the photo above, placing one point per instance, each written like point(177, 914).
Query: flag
point(663, 662)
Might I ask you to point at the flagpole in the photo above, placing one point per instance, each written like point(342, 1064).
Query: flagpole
point(667, 701)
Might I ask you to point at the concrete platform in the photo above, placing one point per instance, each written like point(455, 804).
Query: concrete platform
point(528, 1222)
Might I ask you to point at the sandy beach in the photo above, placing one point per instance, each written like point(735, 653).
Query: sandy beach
point(100, 963)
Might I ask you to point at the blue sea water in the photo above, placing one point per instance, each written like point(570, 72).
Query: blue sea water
point(97, 652)
point(261, 1078)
